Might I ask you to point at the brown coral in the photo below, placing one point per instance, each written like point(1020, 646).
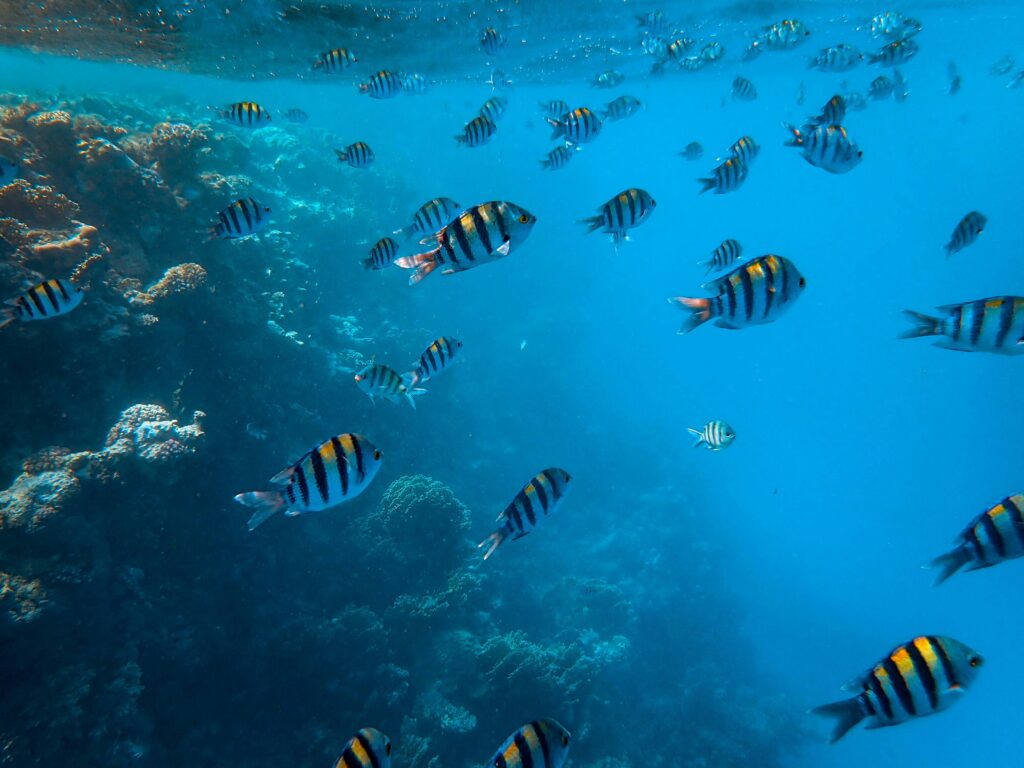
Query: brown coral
point(179, 279)
point(21, 599)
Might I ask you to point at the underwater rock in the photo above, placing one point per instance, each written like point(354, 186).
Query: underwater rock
point(21, 599)
point(149, 432)
point(445, 716)
point(49, 479)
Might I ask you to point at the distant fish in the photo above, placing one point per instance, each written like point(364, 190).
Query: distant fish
point(743, 89)
point(382, 85)
point(378, 380)
point(881, 88)
point(1016, 81)
point(9, 171)
point(723, 256)
point(240, 219)
point(554, 108)
point(1003, 66)
point(491, 41)
point(986, 325)
point(727, 177)
point(431, 217)
point(494, 108)
point(921, 677)
point(358, 155)
point(828, 147)
point(855, 101)
point(897, 52)
point(653, 22)
point(415, 84)
point(609, 79)
point(337, 470)
point(746, 149)
point(296, 115)
point(993, 537)
point(892, 25)
point(955, 80)
point(757, 292)
point(247, 114)
point(715, 435)
point(539, 744)
point(622, 213)
point(335, 60)
point(578, 126)
point(966, 232)
point(837, 58)
point(621, 108)
point(435, 359)
point(711, 52)
point(382, 254)
point(538, 499)
point(557, 158)
point(693, 151)
point(369, 748)
point(832, 113)
point(781, 36)
point(51, 298)
point(476, 132)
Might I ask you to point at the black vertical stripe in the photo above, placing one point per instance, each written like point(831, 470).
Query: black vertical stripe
point(784, 267)
point(748, 292)
point(348, 759)
point(542, 739)
point(300, 477)
point(429, 364)
point(947, 663)
point(512, 513)
point(35, 300)
point(524, 750)
point(971, 537)
point(462, 240)
point(925, 673)
point(481, 229)
point(631, 196)
point(730, 295)
point(542, 495)
point(357, 449)
point(499, 761)
point(769, 279)
point(527, 505)
point(244, 208)
point(63, 291)
point(881, 695)
point(234, 218)
point(24, 306)
point(319, 473)
point(290, 493)
point(1005, 320)
point(365, 744)
point(994, 535)
point(900, 686)
point(958, 321)
point(446, 243)
point(977, 320)
point(865, 704)
point(499, 216)
point(342, 461)
point(554, 486)
point(1017, 516)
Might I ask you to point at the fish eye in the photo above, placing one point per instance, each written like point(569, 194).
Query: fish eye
point(803, 282)
point(523, 218)
point(359, 377)
point(376, 456)
point(974, 661)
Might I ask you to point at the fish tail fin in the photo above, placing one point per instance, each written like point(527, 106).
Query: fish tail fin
point(367, 262)
point(266, 504)
point(7, 316)
point(797, 139)
point(423, 263)
point(364, 88)
point(412, 378)
point(492, 542)
point(706, 184)
point(948, 564)
point(556, 127)
point(545, 164)
point(460, 139)
point(342, 155)
point(926, 325)
point(698, 434)
point(846, 714)
point(699, 309)
point(593, 223)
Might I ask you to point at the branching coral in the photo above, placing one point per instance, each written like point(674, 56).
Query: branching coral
point(149, 432)
point(178, 279)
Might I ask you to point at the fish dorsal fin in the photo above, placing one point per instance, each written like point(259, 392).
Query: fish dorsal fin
point(284, 476)
point(854, 684)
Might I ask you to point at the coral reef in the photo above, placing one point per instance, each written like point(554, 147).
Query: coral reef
point(179, 279)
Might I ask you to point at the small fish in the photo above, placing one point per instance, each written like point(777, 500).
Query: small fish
point(828, 147)
point(654, 45)
point(477, 132)
point(494, 108)
point(623, 212)
point(837, 58)
point(337, 470)
point(435, 359)
point(855, 102)
point(41, 302)
point(955, 80)
point(653, 22)
point(9, 171)
point(921, 677)
point(693, 151)
point(479, 235)
point(881, 88)
point(431, 217)
point(383, 85)
point(358, 155)
point(378, 380)
point(715, 436)
point(621, 108)
point(832, 113)
point(554, 108)
point(727, 177)
point(1016, 81)
point(723, 256)
point(335, 60)
point(557, 158)
point(712, 51)
point(781, 36)
point(896, 52)
point(369, 748)
point(994, 536)
point(382, 254)
point(538, 499)
point(296, 115)
point(539, 744)
point(746, 149)
point(743, 89)
point(578, 126)
point(757, 292)
point(414, 83)
point(609, 79)
point(491, 41)
point(987, 325)
point(247, 114)
point(966, 232)
point(1003, 66)
point(240, 219)
point(893, 25)
point(255, 431)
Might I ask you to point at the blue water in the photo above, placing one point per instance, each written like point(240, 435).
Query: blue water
point(746, 586)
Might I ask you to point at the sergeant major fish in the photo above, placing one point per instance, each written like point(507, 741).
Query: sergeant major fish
point(723, 256)
point(743, 89)
point(893, 26)
point(785, 34)
point(49, 298)
point(727, 177)
point(966, 232)
point(477, 132)
point(745, 148)
point(382, 85)
point(609, 79)
point(897, 52)
point(837, 58)
point(881, 88)
point(491, 41)
point(494, 108)
point(554, 108)
point(357, 155)
point(414, 83)
point(832, 113)
point(335, 60)
point(296, 115)
point(994, 536)
point(538, 499)
point(369, 748)
point(435, 359)
point(538, 744)
point(382, 254)
point(623, 212)
point(715, 435)
point(558, 157)
point(240, 219)
point(621, 108)
point(247, 114)
point(986, 325)
point(337, 470)
point(578, 126)
point(828, 147)
point(431, 217)
point(378, 380)
point(693, 151)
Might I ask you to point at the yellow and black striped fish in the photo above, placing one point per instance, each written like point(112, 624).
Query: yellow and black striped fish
point(986, 325)
point(754, 293)
point(494, 108)
point(832, 113)
point(242, 218)
point(477, 131)
point(358, 155)
point(578, 126)
point(966, 232)
point(728, 177)
point(378, 380)
point(382, 254)
point(723, 256)
point(996, 535)
point(743, 89)
point(382, 85)
point(435, 359)
point(337, 470)
point(828, 147)
point(626, 210)
point(533, 503)
point(538, 744)
point(431, 217)
point(558, 157)
point(491, 41)
point(247, 114)
point(746, 149)
point(335, 60)
point(918, 678)
point(41, 302)
point(369, 748)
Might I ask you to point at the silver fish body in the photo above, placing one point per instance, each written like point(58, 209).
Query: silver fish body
point(994, 325)
point(828, 147)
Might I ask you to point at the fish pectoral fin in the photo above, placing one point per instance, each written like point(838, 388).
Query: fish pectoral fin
point(504, 248)
point(956, 688)
point(723, 323)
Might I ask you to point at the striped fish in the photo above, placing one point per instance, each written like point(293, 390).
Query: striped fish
point(557, 158)
point(431, 217)
point(728, 177)
point(383, 85)
point(712, 51)
point(609, 79)
point(491, 41)
point(746, 149)
point(247, 114)
point(966, 232)
point(477, 132)
point(296, 115)
point(435, 359)
point(621, 108)
point(893, 25)
point(414, 83)
point(578, 126)
point(832, 113)
point(337, 470)
point(896, 52)
point(919, 678)
point(540, 744)
point(780, 36)
point(723, 256)
point(494, 108)
point(9, 171)
point(378, 380)
point(985, 325)
point(479, 235)
point(715, 435)
point(554, 108)
point(369, 748)
point(654, 22)
point(855, 101)
point(757, 292)
point(693, 151)
point(41, 302)
point(358, 155)
point(828, 147)
point(996, 535)
point(743, 89)
point(623, 212)
point(382, 254)
point(836, 58)
point(240, 219)
point(881, 88)
point(335, 60)
point(538, 499)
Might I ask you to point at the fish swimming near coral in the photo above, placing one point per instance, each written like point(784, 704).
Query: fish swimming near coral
point(357, 155)
point(715, 435)
point(242, 218)
point(919, 678)
point(247, 114)
point(382, 254)
point(48, 299)
point(378, 380)
point(626, 210)
point(538, 499)
point(538, 744)
point(995, 325)
point(337, 470)
point(435, 359)
point(993, 537)
point(369, 748)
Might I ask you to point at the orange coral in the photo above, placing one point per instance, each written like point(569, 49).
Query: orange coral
point(179, 279)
